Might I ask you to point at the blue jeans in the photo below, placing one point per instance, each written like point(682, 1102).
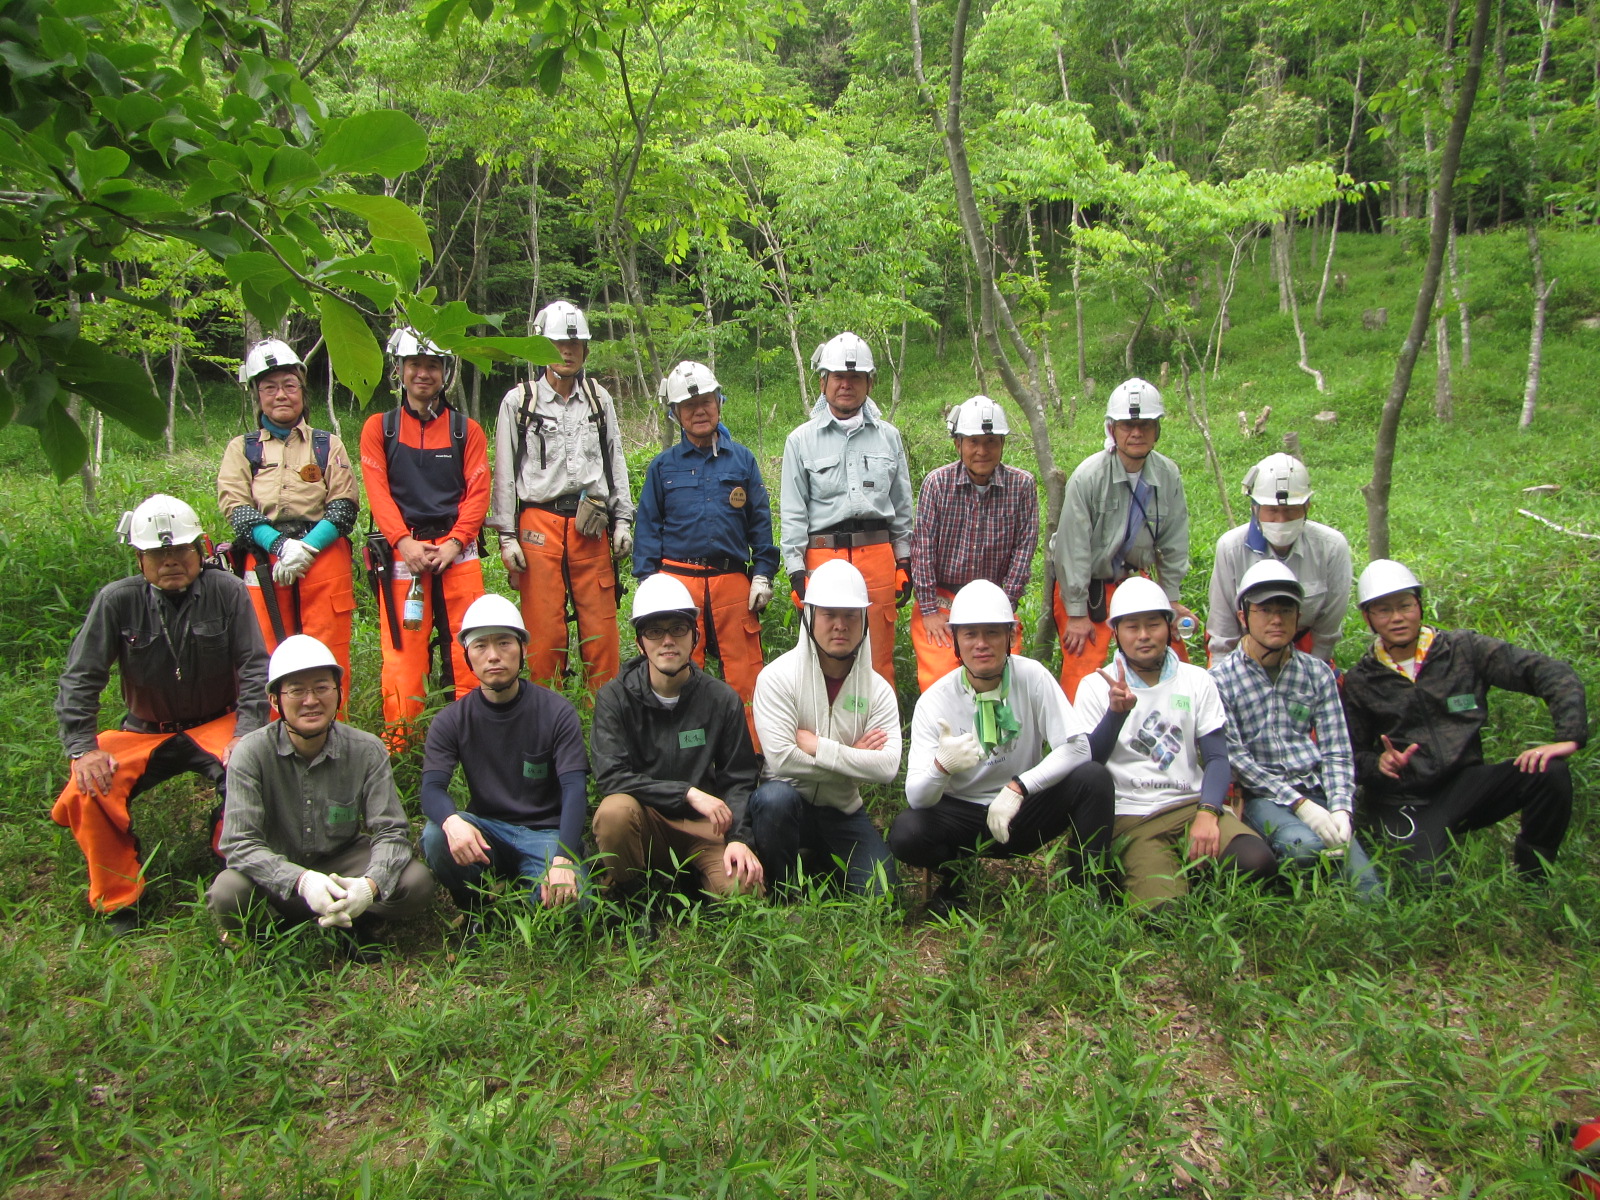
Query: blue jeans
point(515, 852)
point(786, 823)
point(1296, 844)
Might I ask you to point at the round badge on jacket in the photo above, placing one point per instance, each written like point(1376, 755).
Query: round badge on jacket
point(311, 473)
point(737, 497)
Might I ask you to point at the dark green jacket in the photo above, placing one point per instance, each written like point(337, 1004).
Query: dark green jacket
point(640, 747)
point(1446, 708)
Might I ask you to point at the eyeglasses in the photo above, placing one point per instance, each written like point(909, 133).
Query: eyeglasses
point(178, 550)
point(1402, 607)
point(299, 691)
point(655, 633)
point(288, 388)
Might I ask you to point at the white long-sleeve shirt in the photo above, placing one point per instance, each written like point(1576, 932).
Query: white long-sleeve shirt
point(1044, 716)
point(791, 694)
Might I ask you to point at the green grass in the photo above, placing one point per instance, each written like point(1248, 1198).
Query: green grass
point(1289, 1045)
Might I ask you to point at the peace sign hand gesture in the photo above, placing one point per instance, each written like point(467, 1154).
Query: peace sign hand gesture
point(1122, 698)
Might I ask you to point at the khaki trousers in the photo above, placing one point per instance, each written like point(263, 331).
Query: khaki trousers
point(1156, 851)
point(634, 838)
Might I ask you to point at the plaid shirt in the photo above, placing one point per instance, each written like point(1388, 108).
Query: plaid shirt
point(1287, 739)
point(961, 535)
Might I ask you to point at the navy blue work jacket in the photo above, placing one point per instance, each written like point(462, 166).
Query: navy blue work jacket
point(696, 505)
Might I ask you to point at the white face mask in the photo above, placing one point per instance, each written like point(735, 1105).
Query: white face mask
point(1282, 534)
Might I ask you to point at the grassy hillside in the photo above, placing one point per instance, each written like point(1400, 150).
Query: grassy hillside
point(1249, 1046)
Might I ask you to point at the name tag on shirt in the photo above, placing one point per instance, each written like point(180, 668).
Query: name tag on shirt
point(1466, 702)
point(691, 737)
point(855, 704)
point(341, 814)
point(535, 770)
point(1299, 711)
point(1181, 702)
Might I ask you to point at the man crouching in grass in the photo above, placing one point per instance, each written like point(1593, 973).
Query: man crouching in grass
point(980, 780)
point(300, 791)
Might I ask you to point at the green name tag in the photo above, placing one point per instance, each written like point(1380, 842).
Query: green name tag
point(1299, 711)
point(691, 737)
point(855, 704)
point(535, 770)
point(1465, 702)
point(1181, 702)
point(341, 814)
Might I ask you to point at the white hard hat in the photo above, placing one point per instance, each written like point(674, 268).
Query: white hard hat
point(406, 342)
point(162, 520)
point(836, 584)
point(487, 615)
point(1385, 577)
point(661, 594)
point(1138, 595)
point(300, 652)
point(562, 321)
point(1134, 400)
point(847, 352)
point(1266, 579)
point(1278, 479)
point(976, 416)
point(686, 381)
point(269, 354)
point(981, 602)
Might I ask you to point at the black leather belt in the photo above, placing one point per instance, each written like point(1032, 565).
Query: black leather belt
point(848, 541)
point(562, 506)
point(183, 726)
point(701, 568)
point(295, 529)
point(423, 532)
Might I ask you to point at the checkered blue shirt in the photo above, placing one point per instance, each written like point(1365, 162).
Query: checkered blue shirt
point(1287, 739)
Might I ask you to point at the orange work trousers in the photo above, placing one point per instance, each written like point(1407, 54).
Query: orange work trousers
point(101, 824)
point(935, 662)
point(327, 603)
point(876, 564)
point(1096, 649)
point(562, 562)
point(405, 669)
point(727, 627)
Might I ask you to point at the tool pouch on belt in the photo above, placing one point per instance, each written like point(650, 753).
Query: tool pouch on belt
point(379, 556)
point(1097, 601)
point(230, 556)
point(593, 518)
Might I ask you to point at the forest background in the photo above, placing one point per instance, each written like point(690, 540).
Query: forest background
point(1233, 200)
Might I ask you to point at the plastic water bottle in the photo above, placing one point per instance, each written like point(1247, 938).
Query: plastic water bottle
point(413, 610)
point(1188, 627)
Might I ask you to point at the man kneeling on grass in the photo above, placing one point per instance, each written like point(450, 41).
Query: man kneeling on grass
point(521, 747)
point(828, 723)
point(1287, 742)
point(673, 758)
point(978, 768)
point(1159, 725)
point(1417, 703)
point(300, 791)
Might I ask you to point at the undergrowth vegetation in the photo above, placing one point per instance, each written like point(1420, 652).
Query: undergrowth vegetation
point(1289, 1044)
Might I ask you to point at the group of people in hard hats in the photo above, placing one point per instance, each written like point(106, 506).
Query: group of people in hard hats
point(753, 781)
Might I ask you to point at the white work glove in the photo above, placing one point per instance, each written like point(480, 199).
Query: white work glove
point(622, 540)
point(1321, 822)
point(1001, 809)
point(957, 751)
point(511, 554)
point(760, 593)
point(320, 892)
point(358, 898)
point(294, 560)
point(1345, 826)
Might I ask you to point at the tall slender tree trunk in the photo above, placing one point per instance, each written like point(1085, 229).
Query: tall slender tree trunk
point(1377, 489)
point(534, 250)
point(1456, 291)
point(1541, 302)
point(1044, 336)
point(1077, 313)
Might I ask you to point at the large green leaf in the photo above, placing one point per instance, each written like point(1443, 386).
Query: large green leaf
point(357, 361)
point(381, 142)
point(291, 167)
point(115, 384)
point(256, 267)
point(63, 442)
point(390, 220)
